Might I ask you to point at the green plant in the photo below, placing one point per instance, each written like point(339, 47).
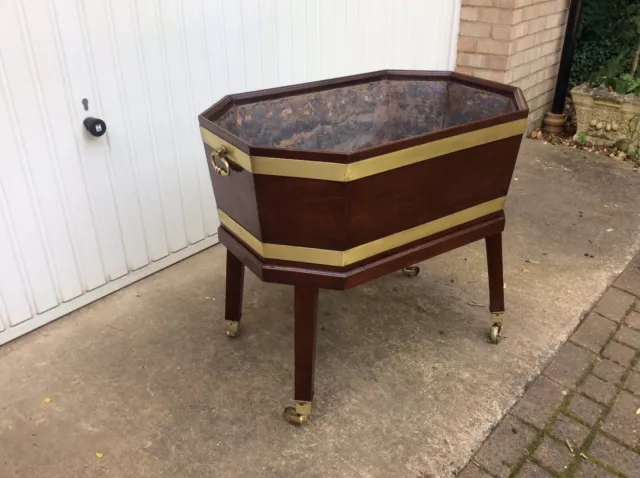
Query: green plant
point(608, 74)
point(608, 27)
point(627, 85)
point(612, 75)
point(581, 138)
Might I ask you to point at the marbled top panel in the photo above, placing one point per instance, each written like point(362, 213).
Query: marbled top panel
point(354, 117)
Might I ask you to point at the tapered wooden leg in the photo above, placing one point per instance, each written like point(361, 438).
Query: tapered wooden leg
point(306, 325)
point(233, 299)
point(496, 284)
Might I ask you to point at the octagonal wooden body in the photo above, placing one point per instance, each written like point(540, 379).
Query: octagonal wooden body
point(333, 179)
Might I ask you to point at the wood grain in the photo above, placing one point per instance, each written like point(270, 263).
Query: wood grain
point(326, 277)
point(305, 331)
point(236, 195)
point(496, 280)
point(234, 288)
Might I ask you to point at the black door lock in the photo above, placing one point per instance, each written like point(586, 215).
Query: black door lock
point(95, 126)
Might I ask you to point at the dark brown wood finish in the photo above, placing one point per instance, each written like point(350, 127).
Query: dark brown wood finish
point(496, 281)
point(340, 216)
point(302, 212)
point(397, 200)
point(234, 288)
point(305, 331)
point(236, 196)
point(332, 278)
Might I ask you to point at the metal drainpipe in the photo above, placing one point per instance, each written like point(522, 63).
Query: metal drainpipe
point(555, 119)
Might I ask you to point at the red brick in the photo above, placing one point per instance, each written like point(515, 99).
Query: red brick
point(598, 389)
point(537, 25)
point(493, 47)
point(585, 409)
point(477, 60)
point(478, 3)
point(524, 83)
point(505, 446)
point(608, 370)
point(465, 70)
point(565, 428)
point(551, 47)
point(588, 469)
point(496, 15)
point(551, 7)
point(521, 71)
point(525, 43)
point(504, 3)
point(619, 353)
point(555, 20)
point(469, 13)
point(553, 455)
point(622, 421)
point(614, 304)
point(541, 100)
point(520, 30)
point(615, 455)
point(633, 383)
point(492, 75)
point(593, 332)
point(501, 32)
point(467, 44)
point(530, 12)
point(629, 337)
point(474, 29)
point(569, 364)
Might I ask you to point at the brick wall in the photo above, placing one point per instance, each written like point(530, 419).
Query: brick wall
point(518, 42)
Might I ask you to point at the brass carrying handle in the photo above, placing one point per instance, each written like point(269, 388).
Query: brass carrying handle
point(221, 154)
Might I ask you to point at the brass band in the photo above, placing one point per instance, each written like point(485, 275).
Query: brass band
point(364, 251)
point(298, 168)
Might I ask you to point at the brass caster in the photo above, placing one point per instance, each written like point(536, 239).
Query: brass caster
point(495, 333)
point(232, 328)
point(411, 271)
point(299, 414)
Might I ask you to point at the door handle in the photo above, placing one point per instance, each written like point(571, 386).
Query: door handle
point(95, 126)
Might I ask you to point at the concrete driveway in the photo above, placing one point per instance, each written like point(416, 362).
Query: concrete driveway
point(407, 384)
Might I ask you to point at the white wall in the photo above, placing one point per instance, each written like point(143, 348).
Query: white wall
point(80, 216)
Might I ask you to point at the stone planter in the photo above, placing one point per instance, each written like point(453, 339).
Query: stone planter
point(605, 117)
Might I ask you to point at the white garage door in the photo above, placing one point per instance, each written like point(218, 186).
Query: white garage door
point(82, 216)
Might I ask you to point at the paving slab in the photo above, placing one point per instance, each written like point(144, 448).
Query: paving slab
point(407, 383)
point(581, 437)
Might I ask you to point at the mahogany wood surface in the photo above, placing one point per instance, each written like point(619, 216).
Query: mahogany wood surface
point(236, 196)
point(339, 216)
point(400, 199)
point(234, 288)
point(305, 331)
point(302, 212)
point(496, 281)
point(310, 274)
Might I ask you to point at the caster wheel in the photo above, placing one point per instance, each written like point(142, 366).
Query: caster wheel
point(495, 333)
point(232, 328)
point(411, 271)
point(294, 417)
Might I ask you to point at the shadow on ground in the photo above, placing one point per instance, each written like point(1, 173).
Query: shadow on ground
point(407, 383)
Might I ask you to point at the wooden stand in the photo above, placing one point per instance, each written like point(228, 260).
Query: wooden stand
point(308, 279)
